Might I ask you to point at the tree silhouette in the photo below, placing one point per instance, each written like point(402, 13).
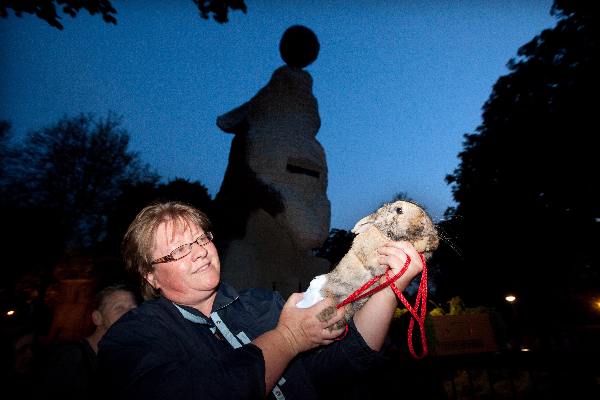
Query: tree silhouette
point(4, 150)
point(137, 195)
point(57, 189)
point(180, 189)
point(525, 187)
point(335, 246)
point(75, 168)
point(47, 9)
point(219, 9)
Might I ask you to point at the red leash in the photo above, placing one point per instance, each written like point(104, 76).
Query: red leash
point(418, 312)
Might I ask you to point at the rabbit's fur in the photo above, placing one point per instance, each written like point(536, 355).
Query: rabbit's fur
point(400, 220)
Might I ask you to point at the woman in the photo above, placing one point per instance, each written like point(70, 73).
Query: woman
point(197, 337)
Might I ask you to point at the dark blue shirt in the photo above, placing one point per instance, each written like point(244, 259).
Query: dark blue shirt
point(165, 351)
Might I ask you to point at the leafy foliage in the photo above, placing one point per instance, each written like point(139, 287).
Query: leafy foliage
point(4, 147)
point(75, 169)
point(139, 194)
point(47, 9)
point(336, 246)
point(68, 193)
point(525, 186)
point(219, 9)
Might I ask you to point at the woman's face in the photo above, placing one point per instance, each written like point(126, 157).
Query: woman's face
point(191, 280)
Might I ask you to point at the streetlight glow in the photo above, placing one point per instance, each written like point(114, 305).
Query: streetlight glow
point(10, 313)
point(510, 298)
point(597, 304)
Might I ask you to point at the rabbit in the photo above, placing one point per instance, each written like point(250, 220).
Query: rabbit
point(400, 220)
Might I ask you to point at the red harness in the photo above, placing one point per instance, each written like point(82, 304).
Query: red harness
point(417, 313)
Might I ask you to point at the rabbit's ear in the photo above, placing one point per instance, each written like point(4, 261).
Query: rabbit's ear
point(363, 224)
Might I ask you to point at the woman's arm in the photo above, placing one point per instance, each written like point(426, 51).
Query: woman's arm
point(373, 319)
point(298, 330)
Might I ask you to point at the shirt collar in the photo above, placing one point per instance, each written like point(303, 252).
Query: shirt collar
point(225, 296)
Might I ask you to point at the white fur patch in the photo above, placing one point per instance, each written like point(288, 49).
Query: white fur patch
point(313, 293)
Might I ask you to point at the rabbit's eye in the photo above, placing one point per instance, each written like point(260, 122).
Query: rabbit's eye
point(398, 210)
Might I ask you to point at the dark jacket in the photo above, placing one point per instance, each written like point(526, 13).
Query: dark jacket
point(70, 372)
point(163, 351)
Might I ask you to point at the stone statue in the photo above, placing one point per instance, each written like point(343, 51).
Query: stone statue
point(272, 206)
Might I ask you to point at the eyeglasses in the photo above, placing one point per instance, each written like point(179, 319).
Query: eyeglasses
point(185, 249)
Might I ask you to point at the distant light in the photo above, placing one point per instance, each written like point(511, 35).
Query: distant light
point(524, 349)
point(510, 298)
point(10, 313)
point(597, 304)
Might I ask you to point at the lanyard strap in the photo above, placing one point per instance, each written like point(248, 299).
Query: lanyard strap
point(236, 343)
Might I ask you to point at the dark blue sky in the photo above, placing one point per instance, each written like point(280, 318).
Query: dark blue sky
point(398, 83)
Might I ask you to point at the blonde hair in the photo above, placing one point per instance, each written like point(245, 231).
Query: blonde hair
point(139, 238)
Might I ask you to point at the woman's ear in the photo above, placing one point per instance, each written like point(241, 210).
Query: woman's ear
point(151, 279)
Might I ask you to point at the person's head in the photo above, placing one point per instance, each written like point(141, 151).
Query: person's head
point(110, 304)
point(169, 247)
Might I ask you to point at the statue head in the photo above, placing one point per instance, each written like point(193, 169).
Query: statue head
point(299, 46)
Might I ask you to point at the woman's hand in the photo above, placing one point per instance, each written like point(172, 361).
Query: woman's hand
point(393, 254)
point(373, 319)
point(301, 327)
point(298, 330)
